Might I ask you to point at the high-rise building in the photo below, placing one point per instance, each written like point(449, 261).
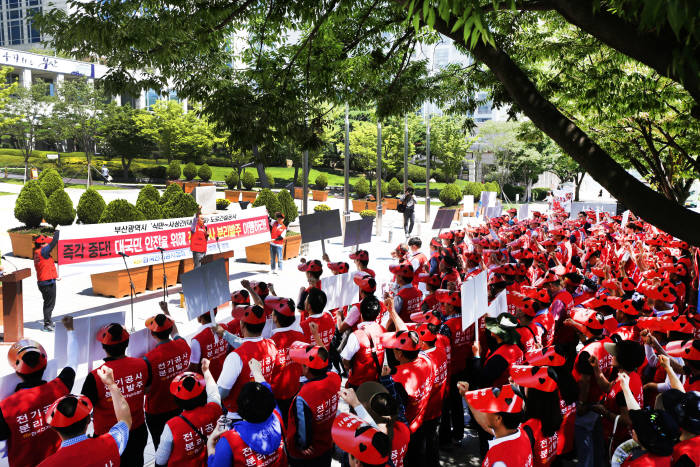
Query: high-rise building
point(17, 28)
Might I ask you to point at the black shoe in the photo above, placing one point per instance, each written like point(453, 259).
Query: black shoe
point(48, 327)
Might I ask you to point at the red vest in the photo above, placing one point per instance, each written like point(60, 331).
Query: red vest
point(167, 360)
point(277, 230)
point(694, 386)
point(530, 336)
point(648, 460)
point(438, 357)
point(461, 341)
point(263, 351)
point(322, 398)
point(443, 342)
point(690, 448)
point(31, 440)
point(101, 451)
point(399, 444)
point(604, 361)
point(567, 428)
point(430, 301)
point(364, 367)
point(130, 375)
point(285, 379)
point(417, 379)
point(545, 448)
point(422, 261)
point(628, 333)
point(214, 351)
point(511, 452)
point(45, 268)
point(326, 327)
point(244, 455)
point(512, 354)
point(198, 240)
point(546, 322)
point(412, 299)
point(189, 449)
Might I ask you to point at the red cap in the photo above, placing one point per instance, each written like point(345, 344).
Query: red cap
point(311, 266)
point(588, 318)
point(599, 272)
point(41, 239)
point(627, 284)
point(665, 292)
point(281, 305)
point(356, 437)
point(401, 340)
point(447, 235)
point(159, 323)
point(548, 277)
point(56, 419)
point(401, 250)
point(403, 270)
point(21, 348)
point(535, 377)
point(560, 232)
point(512, 210)
point(683, 349)
point(679, 323)
point(260, 288)
point(361, 255)
point(432, 280)
point(545, 357)
point(523, 254)
point(240, 297)
point(425, 317)
point(425, 334)
point(365, 282)
point(610, 284)
point(246, 314)
point(340, 267)
point(495, 400)
point(306, 354)
point(547, 243)
point(541, 295)
point(454, 298)
point(112, 334)
point(507, 269)
point(627, 307)
point(188, 385)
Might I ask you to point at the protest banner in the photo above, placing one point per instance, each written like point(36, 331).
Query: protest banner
point(96, 248)
point(467, 291)
point(340, 290)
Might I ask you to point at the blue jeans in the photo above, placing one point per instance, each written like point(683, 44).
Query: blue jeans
point(276, 255)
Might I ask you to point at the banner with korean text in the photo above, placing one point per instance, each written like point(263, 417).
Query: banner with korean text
point(95, 248)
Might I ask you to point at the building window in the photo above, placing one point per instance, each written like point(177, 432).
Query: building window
point(15, 28)
point(442, 57)
point(33, 34)
point(151, 98)
point(172, 96)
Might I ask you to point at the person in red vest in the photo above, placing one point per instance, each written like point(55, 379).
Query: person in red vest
point(256, 437)
point(562, 302)
point(168, 359)
point(46, 274)
point(132, 375)
point(314, 308)
point(199, 234)
point(313, 409)
point(499, 411)
point(365, 443)
point(407, 299)
point(313, 270)
point(204, 344)
point(367, 286)
point(22, 425)
point(363, 354)
point(277, 229)
point(69, 416)
point(361, 259)
point(235, 373)
point(685, 409)
point(417, 258)
point(503, 350)
point(184, 438)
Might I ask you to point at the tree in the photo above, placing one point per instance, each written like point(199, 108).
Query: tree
point(122, 135)
point(449, 142)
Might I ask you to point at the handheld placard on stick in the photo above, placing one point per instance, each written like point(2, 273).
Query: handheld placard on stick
point(165, 277)
point(132, 289)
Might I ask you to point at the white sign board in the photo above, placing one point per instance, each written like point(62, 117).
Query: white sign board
point(340, 290)
point(481, 293)
point(52, 157)
point(498, 305)
point(205, 288)
point(467, 291)
point(140, 343)
point(523, 212)
point(488, 198)
point(625, 218)
point(468, 203)
point(85, 330)
point(205, 197)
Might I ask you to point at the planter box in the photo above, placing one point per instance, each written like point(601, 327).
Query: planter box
point(359, 205)
point(249, 196)
point(260, 253)
point(233, 195)
point(155, 275)
point(320, 195)
point(116, 283)
point(373, 206)
point(23, 245)
point(391, 203)
point(298, 193)
point(292, 245)
point(186, 265)
point(189, 186)
point(176, 182)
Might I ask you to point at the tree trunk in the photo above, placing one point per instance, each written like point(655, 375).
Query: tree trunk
point(262, 176)
point(642, 200)
point(296, 174)
point(578, 180)
point(126, 164)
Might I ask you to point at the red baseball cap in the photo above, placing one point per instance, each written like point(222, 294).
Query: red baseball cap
point(548, 277)
point(112, 334)
point(454, 298)
point(535, 377)
point(57, 419)
point(307, 354)
point(401, 340)
point(41, 239)
point(589, 318)
point(365, 282)
point(425, 334)
point(240, 297)
point(188, 385)
point(159, 323)
point(260, 288)
point(495, 400)
point(432, 280)
point(281, 305)
point(360, 255)
point(339, 267)
point(403, 270)
point(246, 314)
point(689, 350)
point(356, 437)
point(311, 266)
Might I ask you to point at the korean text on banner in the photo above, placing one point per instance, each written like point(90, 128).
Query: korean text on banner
point(340, 290)
point(96, 248)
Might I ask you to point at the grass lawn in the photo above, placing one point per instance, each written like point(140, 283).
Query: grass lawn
point(16, 181)
point(3, 193)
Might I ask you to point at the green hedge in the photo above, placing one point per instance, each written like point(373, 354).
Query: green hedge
point(270, 178)
point(450, 195)
point(190, 171)
point(394, 187)
point(289, 208)
point(59, 209)
point(170, 192)
point(368, 213)
point(90, 207)
point(150, 209)
point(50, 181)
point(204, 173)
point(416, 173)
point(232, 180)
point(511, 190)
point(31, 204)
point(120, 210)
point(539, 194)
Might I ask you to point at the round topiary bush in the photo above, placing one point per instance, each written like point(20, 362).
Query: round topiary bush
point(30, 205)
point(321, 181)
point(174, 171)
point(450, 195)
point(150, 209)
point(416, 173)
point(170, 192)
point(270, 178)
point(232, 180)
point(289, 207)
point(204, 173)
point(268, 199)
point(321, 207)
point(248, 180)
point(90, 207)
point(409, 184)
point(300, 179)
point(368, 213)
point(394, 187)
point(181, 205)
point(493, 186)
point(148, 192)
point(190, 171)
point(120, 210)
point(362, 188)
point(59, 209)
point(50, 181)
point(222, 204)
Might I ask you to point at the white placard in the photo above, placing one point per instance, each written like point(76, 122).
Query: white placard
point(467, 291)
point(523, 212)
point(468, 203)
point(498, 305)
point(85, 329)
point(140, 343)
point(52, 157)
point(340, 290)
point(625, 218)
point(9, 382)
point(488, 199)
point(480, 294)
point(205, 197)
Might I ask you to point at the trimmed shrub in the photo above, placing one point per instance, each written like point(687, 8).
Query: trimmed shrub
point(409, 184)
point(232, 180)
point(511, 190)
point(31, 204)
point(270, 178)
point(159, 172)
point(539, 194)
point(394, 187)
point(493, 186)
point(204, 173)
point(416, 173)
point(248, 180)
point(361, 188)
point(450, 195)
point(474, 189)
point(59, 209)
point(268, 199)
point(289, 208)
point(150, 209)
point(90, 207)
point(321, 181)
point(181, 205)
point(300, 179)
point(321, 207)
point(190, 171)
point(174, 171)
point(148, 192)
point(50, 181)
point(120, 210)
point(368, 213)
point(222, 204)
point(170, 192)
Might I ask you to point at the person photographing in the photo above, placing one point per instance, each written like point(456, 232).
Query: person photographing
point(407, 205)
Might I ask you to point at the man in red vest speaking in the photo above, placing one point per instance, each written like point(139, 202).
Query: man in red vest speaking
point(198, 238)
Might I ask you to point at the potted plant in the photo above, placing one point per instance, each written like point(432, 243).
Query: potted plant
point(30, 208)
point(283, 203)
point(222, 204)
point(91, 205)
point(321, 207)
point(189, 172)
point(174, 172)
point(450, 196)
point(50, 181)
point(367, 213)
point(204, 174)
point(361, 191)
point(248, 181)
point(393, 188)
point(116, 283)
point(233, 194)
point(169, 193)
point(59, 209)
point(320, 193)
point(299, 187)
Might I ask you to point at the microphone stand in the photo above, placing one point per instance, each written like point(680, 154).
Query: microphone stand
point(132, 291)
point(165, 277)
point(11, 263)
point(217, 244)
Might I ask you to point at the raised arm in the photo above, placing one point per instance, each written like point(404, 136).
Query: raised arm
point(121, 407)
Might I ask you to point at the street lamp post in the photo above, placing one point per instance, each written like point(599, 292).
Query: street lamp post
point(427, 162)
point(379, 177)
point(346, 189)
